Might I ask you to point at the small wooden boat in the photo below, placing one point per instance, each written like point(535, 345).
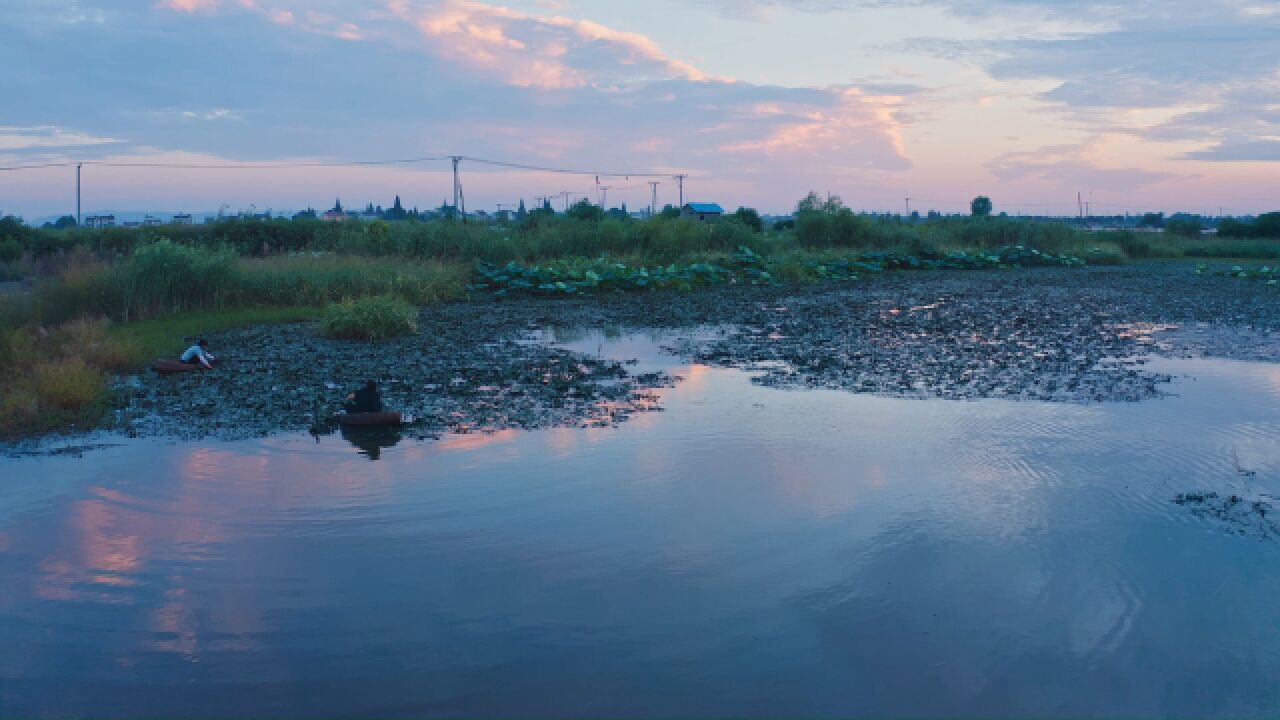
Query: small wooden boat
point(382, 419)
point(171, 366)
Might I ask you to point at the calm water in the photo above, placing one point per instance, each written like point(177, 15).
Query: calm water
point(748, 552)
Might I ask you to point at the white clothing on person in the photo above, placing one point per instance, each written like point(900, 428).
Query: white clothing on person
point(196, 352)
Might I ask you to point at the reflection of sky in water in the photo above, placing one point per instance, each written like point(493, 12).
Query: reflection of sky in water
point(747, 551)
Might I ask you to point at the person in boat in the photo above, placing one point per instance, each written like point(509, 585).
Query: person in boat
point(198, 354)
point(364, 400)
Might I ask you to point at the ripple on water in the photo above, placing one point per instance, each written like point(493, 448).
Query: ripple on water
point(1010, 556)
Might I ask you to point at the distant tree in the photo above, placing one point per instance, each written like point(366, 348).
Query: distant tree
point(521, 212)
point(1151, 220)
point(934, 215)
point(64, 222)
point(546, 206)
point(980, 207)
point(1267, 225)
point(308, 214)
point(397, 211)
point(585, 210)
point(1231, 227)
point(812, 203)
point(337, 206)
point(749, 217)
point(671, 212)
point(1184, 225)
point(15, 238)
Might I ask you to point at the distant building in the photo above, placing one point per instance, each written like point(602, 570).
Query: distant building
point(701, 211)
point(100, 221)
point(335, 216)
point(182, 219)
point(131, 224)
point(150, 221)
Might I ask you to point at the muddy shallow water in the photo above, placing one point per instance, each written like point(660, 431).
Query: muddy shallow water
point(1060, 335)
point(751, 550)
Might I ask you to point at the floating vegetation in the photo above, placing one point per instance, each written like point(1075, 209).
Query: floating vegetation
point(602, 274)
point(1239, 515)
point(1266, 273)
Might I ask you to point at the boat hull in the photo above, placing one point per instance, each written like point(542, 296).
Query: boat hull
point(382, 419)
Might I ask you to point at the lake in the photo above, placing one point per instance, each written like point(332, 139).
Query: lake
point(748, 551)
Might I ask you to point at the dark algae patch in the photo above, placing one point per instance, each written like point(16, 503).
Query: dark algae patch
point(1255, 518)
point(468, 369)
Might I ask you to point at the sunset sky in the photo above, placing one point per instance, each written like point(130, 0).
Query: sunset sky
point(1141, 105)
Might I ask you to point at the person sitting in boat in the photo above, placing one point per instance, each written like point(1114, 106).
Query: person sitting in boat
point(364, 400)
point(198, 354)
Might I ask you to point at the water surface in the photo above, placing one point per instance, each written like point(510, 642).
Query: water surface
point(747, 552)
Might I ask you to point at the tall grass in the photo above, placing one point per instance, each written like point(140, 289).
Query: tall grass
point(373, 318)
point(165, 279)
point(53, 379)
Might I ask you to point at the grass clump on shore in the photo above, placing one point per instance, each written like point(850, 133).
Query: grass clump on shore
point(372, 318)
point(56, 379)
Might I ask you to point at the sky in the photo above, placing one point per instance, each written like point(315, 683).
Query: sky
point(1133, 105)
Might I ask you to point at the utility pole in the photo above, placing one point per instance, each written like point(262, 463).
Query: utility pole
point(653, 204)
point(908, 200)
point(78, 220)
point(457, 186)
point(565, 195)
point(680, 180)
point(1080, 205)
point(604, 196)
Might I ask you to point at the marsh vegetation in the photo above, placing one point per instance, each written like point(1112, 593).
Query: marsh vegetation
point(106, 301)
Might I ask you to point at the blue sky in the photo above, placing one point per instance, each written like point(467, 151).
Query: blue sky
point(1139, 105)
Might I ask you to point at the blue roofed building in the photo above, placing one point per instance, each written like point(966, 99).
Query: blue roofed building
point(701, 211)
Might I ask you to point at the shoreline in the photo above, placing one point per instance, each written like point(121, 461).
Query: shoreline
point(1059, 335)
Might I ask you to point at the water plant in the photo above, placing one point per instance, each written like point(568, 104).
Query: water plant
point(372, 318)
point(743, 266)
point(1269, 274)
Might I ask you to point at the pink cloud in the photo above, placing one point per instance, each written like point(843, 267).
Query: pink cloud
point(853, 123)
point(189, 6)
point(544, 51)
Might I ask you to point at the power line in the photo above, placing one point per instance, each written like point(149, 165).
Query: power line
point(329, 163)
point(41, 165)
point(563, 171)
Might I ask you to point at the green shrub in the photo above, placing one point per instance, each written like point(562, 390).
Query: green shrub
point(10, 250)
point(1254, 250)
point(375, 318)
point(1184, 226)
point(1133, 244)
point(6, 349)
point(68, 384)
point(1104, 255)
